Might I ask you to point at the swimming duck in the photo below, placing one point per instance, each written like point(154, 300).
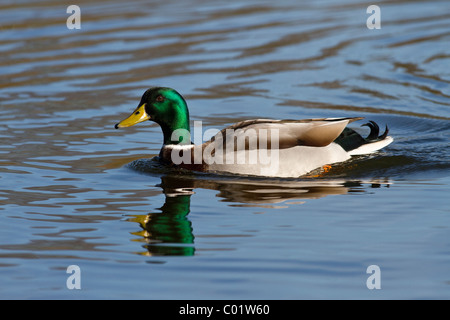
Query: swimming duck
point(261, 147)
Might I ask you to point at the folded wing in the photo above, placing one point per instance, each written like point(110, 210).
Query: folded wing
point(266, 133)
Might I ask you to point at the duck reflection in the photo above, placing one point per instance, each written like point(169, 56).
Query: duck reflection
point(169, 231)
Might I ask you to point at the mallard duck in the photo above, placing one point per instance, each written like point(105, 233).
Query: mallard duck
point(261, 147)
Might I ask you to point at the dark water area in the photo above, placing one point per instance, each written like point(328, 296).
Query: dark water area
point(75, 191)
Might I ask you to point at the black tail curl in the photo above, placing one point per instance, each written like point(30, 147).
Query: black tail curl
point(349, 139)
point(374, 134)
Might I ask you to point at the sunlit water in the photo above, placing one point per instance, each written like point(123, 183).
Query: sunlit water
point(74, 191)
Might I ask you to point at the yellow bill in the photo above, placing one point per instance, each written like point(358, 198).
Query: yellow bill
point(138, 115)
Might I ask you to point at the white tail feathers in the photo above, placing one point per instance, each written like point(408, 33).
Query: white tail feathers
point(371, 147)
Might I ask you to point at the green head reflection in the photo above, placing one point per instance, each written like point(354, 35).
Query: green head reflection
point(168, 232)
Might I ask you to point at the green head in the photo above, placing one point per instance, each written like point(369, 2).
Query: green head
point(166, 107)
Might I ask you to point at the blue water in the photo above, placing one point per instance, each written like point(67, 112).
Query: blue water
point(75, 191)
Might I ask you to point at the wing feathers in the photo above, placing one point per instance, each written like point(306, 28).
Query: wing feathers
point(263, 133)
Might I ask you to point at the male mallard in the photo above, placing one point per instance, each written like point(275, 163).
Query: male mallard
point(273, 148)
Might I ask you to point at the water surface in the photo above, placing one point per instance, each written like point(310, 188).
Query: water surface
point(74, 191)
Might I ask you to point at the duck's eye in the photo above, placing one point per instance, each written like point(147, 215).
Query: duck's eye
point(160, 98)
